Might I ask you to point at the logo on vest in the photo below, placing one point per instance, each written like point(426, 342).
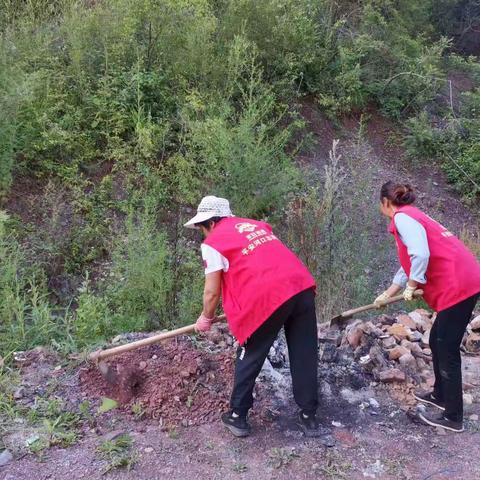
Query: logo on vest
point(245, 227)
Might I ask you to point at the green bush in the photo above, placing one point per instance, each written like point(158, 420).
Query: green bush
point(26, 317)
point(422, 139)
point(140, 281)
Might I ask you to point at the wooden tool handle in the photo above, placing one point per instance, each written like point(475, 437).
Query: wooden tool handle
point(103, 354)
point(397, 298)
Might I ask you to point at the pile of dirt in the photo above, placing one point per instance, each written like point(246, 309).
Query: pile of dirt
point(175, 382)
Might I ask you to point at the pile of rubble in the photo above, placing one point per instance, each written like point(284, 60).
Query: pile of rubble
point(392, 349)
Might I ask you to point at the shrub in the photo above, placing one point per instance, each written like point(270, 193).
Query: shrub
point(26, 317)
point(141, 276)
point(422, 139)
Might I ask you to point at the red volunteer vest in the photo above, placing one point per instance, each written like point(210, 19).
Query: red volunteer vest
point(263, 273)
point(453, 272)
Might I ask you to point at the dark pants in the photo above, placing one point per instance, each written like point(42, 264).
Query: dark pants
point(297, 316)
point(445, 339)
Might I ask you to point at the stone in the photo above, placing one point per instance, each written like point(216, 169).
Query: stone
point(475, 323)
point(426, 338)
point(423, 312)
point(328, 352)
point(386, 320)
point(467, 398)
point(392, 375)
point(389, 342)
point(427, 351)
point(373, 403)
point(398, 331)
point(142, 365)
point(473, 343)
point(406, 321)
point(354, 336)
point(473, 417)
point(397, 352)
point(407, 361)
point(422, 322)
point(421, 364)
point(19, 393)
point(113, 435)
point(148, 450)
point(415, 336)
point(377, 356)
point(5, 457)
point(468, 386)
point(117, 339)
point(414, 348)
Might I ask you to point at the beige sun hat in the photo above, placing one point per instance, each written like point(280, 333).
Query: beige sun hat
point(210, 207)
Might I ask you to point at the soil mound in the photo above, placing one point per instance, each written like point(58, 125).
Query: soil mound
point(174, 382)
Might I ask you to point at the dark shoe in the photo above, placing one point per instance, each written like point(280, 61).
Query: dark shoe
point(308, 423)
point(442, 422)
point(430, 399)
point(237, 424)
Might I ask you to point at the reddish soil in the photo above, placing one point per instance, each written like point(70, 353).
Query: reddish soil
point(176, 383)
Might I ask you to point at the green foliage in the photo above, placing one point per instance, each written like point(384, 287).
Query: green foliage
point(26, 317)
point(422, 139)
point(320, 229)
point(125, 113)
point(118, 453)
point(456, 142)
point(141, 276)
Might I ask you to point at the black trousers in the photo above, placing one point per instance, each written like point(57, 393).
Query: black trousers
point(297, 316)
point(445, 339)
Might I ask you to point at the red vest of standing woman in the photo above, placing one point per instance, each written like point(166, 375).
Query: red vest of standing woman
point(263, 273)
point(453, 273)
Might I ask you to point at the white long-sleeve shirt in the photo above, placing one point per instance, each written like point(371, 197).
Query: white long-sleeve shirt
point(414, 236)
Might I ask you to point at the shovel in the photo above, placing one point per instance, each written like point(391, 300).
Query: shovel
point(127, 378)
point(350, 313)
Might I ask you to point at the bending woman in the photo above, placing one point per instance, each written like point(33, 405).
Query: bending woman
point(433, 259)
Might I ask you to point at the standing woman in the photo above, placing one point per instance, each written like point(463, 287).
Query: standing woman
point(436, 261)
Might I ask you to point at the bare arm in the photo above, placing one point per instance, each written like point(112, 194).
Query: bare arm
point(212, 292)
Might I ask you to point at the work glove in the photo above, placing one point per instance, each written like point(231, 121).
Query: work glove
point(408, 293)
point(379, 302)
point(203, 323)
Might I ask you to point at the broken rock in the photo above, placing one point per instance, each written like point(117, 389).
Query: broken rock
point(392, 375)
point(475, 323)
point(398, 331)
point(473, 343)
point(5, 457)
point(377, 357)
point(354, 335)
point(397, 352)
point(426, 338)
point(406, 321)
point(414, 348)
point(415, 336)
point(389, 342)
point(407, 361)
point(422, 322)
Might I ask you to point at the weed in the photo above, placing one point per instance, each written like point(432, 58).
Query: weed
point(396, 467)
point(281, 457)
point(138, 410)
point(334, 467)
point(239, 467)
point(38, 447)
point(85, 412)
point(118, 453)
point(173, 433)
